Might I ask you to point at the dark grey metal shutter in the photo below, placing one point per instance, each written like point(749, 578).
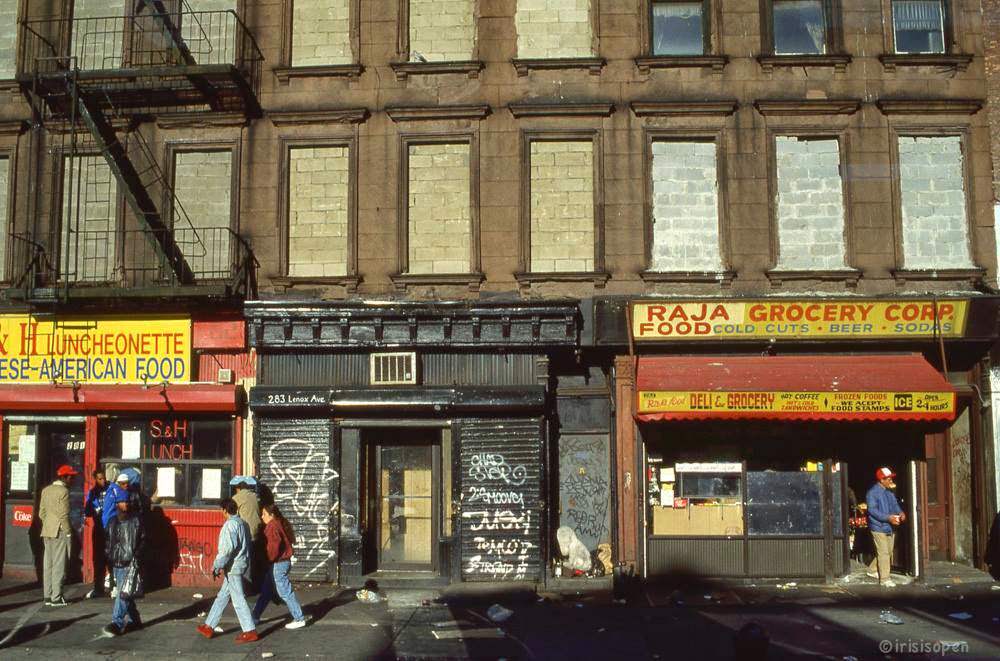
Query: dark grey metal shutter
point(501, 492)
point(299, 462)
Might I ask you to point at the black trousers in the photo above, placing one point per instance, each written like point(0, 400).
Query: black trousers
point(99, 562)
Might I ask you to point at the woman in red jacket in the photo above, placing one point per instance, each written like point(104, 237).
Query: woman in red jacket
point(279, 536)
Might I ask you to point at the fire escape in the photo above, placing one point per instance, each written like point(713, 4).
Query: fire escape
point(92, 83)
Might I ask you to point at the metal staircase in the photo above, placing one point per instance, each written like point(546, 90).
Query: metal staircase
point(91, 83)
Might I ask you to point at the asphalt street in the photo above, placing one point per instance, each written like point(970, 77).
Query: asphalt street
point(951, 617)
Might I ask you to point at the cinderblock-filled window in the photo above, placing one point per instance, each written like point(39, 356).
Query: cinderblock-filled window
point(810, 204)
point(321, 32)
point(318, 211)
point(98, 33)
point(562, 206)
point(8, 40)
point(685, 207)
point(554, 28)
point(88, 233)
point(4, 214)
point(203, 187)
point(933, 204)
point(439, 211)
point(442, 30)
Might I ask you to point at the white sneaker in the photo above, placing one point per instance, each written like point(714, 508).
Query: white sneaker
point(295, 624)
point(871, 574)
point(218, 629)
point(888, 584)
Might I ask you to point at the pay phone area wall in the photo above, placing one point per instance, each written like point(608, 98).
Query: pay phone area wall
point(767, 521)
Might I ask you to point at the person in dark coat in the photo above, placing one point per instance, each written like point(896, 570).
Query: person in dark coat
point(125, 545)
point(993, 548)
point(95, 501)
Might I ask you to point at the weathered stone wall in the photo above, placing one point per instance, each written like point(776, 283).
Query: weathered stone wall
point(562, 206)
point(439, 214)
point(321, 33)
point(318, 211)
point(442, 30)
point(554, 28)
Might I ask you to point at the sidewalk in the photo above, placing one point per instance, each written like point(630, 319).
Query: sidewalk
point(694, 621)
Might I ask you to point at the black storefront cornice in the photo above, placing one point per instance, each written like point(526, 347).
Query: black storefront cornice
point(433, 400)
point(376, 324)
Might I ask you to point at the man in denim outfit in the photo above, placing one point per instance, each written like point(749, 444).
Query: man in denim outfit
point(231, 562)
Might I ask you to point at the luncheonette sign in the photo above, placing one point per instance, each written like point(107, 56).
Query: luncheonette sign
point(106, 350)
point(796, 403)
point(786, 319)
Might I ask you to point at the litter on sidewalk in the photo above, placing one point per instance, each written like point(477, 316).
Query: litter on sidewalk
point(451, 634)
point(960, 616)
point(888, 617)
point(498, 613)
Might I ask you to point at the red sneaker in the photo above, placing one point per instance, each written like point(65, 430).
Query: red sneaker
point(205, 630)
point(247, 637)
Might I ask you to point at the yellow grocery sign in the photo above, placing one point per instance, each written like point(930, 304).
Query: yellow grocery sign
point(916, 404)
point(755, 319)
point(121, 350)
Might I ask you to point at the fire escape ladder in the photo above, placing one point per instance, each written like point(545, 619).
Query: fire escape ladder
point(136, 193)
point(174, 37)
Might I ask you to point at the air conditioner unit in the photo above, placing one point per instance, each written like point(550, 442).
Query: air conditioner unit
point(393, 369)
point(225, 375)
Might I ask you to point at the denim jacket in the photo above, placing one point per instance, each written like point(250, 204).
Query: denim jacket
point(882, 504)
point(234, 546)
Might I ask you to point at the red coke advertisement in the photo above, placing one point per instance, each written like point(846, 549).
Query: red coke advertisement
point(23, 515)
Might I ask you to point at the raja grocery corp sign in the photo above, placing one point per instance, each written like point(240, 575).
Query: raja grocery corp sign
point(813, 319)
point(106, 350)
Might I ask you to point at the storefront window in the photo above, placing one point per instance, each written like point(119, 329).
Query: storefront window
point(695, 499)
point(19, 473)
point(183, 461)
point(784, 503)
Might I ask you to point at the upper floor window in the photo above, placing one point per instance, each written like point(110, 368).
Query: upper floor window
point(801, 27)
point(8, 40)
point(441, 30)
point(321, 33)
point(679, 28)
point(919, 26)
point(552, 29)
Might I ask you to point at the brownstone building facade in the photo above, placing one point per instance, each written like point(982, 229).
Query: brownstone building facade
point(445, 215)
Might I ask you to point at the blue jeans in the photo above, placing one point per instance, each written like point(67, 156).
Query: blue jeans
point(232, 587)
point(123, 607)
point(277, 579)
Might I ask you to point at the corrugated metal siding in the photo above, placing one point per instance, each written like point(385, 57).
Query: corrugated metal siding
point(299, 463)
point(436, 369)
point(501, 492)
point(244, 365)
point(696, 557)
point(771, 558)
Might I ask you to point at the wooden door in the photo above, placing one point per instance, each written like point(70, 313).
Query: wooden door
point(938, 514)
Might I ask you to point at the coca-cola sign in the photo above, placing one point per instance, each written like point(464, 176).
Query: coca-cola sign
point(23, 515)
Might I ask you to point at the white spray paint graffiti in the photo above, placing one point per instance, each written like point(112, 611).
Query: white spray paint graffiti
point(300, 495)
point(192, 563)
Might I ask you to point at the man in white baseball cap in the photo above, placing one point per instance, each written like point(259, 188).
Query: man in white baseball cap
point(884, 513)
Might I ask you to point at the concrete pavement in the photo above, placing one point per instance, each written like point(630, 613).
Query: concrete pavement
point(693, 621)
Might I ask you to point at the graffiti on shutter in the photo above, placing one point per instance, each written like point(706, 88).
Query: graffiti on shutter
point(501, 482)
point(297, 466)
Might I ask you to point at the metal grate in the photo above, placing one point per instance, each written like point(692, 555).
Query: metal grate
point(393, 369)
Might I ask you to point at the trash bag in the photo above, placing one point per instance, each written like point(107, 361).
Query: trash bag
point(578, 558)
point(131, 587)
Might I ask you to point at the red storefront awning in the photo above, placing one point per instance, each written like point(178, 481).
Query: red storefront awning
point(888, 387)
point(155, 398)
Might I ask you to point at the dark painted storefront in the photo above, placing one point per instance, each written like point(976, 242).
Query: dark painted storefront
point(440, 460)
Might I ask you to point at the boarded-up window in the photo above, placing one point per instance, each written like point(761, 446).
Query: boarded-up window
point(932, 190)
point(8, 39)
point(810, 204)
point(321, 32)
point(442, 30)
point(685, 207)
point(554, 28)
point(4, 215)
point(562, 206)
point(98, 33)
point(318, 208)
point(439, 212)
point(88, 233)
point(202, 221)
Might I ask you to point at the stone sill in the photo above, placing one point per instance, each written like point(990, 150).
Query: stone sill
point(838, 62)
point(351, 282)
point(849, 277)
point(807, 106)
point(599, 278)
point(972, 275)
point(592, 64)
point(284, 74)
point(958, 61)
point(714, 62)
point(13, 127)
point(930, 106)
point(403, 70)
point(9, 85)
point(404, 280)
point(561, 109)
point(683, 108)
point(724, 278)
point(424, 113)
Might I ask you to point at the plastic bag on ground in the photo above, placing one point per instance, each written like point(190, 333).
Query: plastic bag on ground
point(498, 613)
point(570, 547)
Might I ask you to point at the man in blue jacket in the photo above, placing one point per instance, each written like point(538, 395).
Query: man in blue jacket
point(232, 562)
point(884, 513)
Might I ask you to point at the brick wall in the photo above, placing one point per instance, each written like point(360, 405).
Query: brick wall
point(318, 210)
point(8, 40)
point(562, 206)
point(810, 204)
point(321, 33)
point(5, 224)
point(88, 219)
point(442, 30)
point(439, 214)
point(685, 207)
point(935, 230)
point(554, 28)
point(203, 186)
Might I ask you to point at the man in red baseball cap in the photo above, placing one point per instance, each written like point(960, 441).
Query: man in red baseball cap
point(884, 513)
point(53, 512)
